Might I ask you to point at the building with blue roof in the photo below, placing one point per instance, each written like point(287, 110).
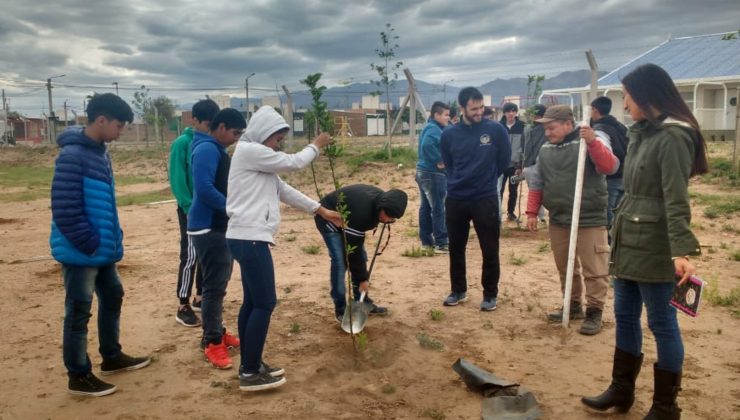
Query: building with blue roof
point(705, 68)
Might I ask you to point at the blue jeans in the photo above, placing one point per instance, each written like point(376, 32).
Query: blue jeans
point(615, 189)
point(216, 264)
point(433, 190)
point(79, 284)
point(628, 299)
point(335, 244)
point(258, 283)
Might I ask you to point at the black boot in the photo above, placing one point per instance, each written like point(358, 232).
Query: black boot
point(667, 385)
point(621, 392)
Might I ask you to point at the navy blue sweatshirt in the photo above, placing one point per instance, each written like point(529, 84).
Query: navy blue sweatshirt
point(210, 165)
point(474, 156)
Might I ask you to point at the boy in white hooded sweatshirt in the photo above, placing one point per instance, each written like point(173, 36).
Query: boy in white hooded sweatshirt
point(253, 207)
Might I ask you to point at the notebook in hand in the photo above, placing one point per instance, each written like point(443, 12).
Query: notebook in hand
point(686, 297)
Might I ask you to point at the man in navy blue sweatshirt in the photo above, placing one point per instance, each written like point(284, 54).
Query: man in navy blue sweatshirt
point(207, 221)
point(475, 152)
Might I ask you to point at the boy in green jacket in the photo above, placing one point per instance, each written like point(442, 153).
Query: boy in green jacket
point(181, 184)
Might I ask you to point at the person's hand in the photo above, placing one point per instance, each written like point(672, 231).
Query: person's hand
point(364, 286)
point(322, 140)
point(518, 171)
point(684, 268)
point(330, 215)
point(532, 223)
point(587, 133)
point(440, 165)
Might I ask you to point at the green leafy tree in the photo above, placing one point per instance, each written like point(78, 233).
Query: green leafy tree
point(387, 71)
point(154, 111)
point(534, 86)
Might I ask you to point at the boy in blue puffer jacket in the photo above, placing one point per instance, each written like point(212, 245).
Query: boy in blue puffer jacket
point(87, 240)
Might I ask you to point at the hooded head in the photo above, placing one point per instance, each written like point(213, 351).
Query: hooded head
point(264, 123)
point(393, 202)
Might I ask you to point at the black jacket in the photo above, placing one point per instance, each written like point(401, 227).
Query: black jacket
point(363, 203)
point(534, 138)
point(617, 133)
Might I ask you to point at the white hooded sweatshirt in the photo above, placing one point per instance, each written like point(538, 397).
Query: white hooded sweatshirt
point(255, 189)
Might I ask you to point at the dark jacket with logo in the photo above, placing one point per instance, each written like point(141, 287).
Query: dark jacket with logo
point(617, 133)
point(651, 224)
point(474, 156)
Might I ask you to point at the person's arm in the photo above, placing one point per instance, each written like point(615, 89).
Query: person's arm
point(504, 151)
point(179, 184)
point(444, 151)
point(357, 263)
point(536, 185)
point(68, 204)
point(206, 159)
point(600, 151)
point(297, 199)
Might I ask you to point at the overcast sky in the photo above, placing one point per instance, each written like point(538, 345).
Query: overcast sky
point(191, 48)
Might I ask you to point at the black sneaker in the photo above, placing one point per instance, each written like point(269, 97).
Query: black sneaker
point(197, 305)
point(90, 386)
point(186, 317)
point(378, 310)
point(455, 298)
point(339, 318)
point(272, 371)
point(259, 381)
point(123, 363)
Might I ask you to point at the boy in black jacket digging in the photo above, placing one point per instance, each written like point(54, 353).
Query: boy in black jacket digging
point(367, 206)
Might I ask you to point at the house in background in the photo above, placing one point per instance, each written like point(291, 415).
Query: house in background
point(705, 68)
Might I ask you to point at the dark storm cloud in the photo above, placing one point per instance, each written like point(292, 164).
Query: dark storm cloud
point(190, 43)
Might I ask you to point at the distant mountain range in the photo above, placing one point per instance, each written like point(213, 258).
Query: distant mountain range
point(342, 97)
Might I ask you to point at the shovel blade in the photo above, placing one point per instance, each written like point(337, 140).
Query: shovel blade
point(360, 311)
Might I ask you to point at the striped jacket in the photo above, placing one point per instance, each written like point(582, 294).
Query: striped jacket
point(84, 230)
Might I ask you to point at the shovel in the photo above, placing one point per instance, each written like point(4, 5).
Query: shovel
point(359, 311)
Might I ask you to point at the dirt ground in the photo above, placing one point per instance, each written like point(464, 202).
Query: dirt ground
point(392, 378)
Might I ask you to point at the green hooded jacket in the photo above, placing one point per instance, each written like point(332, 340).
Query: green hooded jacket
point(181, 173)
point(651, 223)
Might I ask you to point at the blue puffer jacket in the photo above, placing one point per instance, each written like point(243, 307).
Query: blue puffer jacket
point(84, 230)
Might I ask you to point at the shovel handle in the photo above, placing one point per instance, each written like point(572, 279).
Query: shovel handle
point(375, 254)
point(362, 296)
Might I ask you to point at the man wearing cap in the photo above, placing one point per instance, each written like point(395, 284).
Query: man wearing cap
point(553, 180)
point(367, 206)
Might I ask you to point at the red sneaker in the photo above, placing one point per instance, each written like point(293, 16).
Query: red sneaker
point(218, 355)
point(230, 341)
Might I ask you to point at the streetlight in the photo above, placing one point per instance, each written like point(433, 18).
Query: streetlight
point(246, 85)
point(444, 88)
point(52, 128)
point(116, 84)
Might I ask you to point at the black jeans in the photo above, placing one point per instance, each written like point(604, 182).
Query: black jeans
point(216, 263)
point(484, 214)
point(513, 189)
point(189, 268)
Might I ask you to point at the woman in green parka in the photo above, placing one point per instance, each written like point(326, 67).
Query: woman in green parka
point(652, 240)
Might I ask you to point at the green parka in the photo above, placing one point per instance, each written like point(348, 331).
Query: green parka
point(651, 222)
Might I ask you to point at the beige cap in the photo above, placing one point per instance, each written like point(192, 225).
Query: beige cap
point(557, 113)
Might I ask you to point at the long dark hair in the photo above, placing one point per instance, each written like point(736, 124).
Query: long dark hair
point(652, 89)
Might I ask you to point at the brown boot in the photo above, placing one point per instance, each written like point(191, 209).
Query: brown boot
point(621, 392)
point(592, 324)
point(576, 312)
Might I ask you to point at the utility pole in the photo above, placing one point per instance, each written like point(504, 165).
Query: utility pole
point(66, 121)
point(288, 114)
point(116, 83)
point(52, 127)
point(5, 116)
point(246, 86)
point(444, 89)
